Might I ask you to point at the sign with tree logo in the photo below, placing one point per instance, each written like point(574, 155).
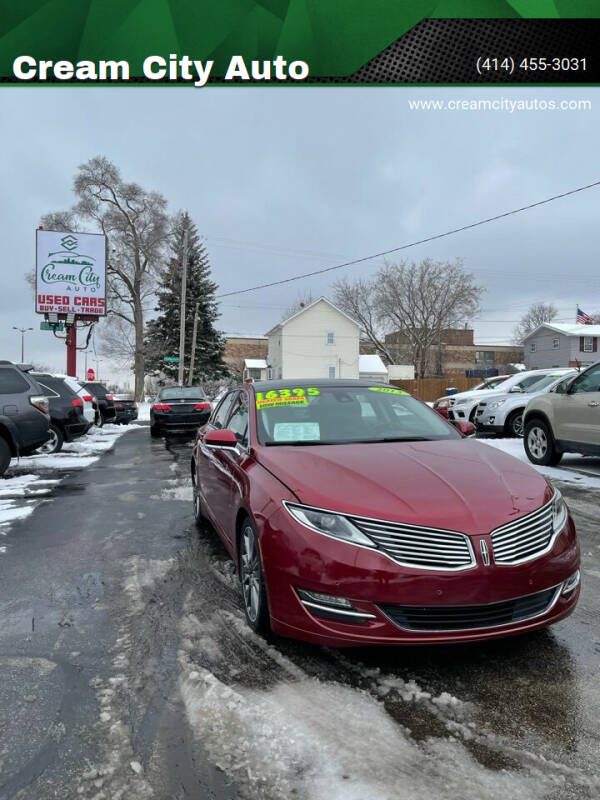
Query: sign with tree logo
point(70, 273)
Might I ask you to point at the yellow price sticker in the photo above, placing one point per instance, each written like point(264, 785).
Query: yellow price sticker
point(280, 402)
point(387, 390)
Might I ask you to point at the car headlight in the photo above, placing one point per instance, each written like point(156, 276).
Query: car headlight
point(496, 403)
point(443, 403)
point(329, 524)
point(559, 512)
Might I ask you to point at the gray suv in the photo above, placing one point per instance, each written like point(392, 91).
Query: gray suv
point(24, 414)
point(564, 420)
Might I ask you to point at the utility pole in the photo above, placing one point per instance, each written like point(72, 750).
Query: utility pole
point(22, 331)
point(182, 319)
point(193, 353)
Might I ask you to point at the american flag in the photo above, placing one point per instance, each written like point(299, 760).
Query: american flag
point(583, 318)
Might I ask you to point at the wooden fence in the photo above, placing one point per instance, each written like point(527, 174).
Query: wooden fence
point(429, 389)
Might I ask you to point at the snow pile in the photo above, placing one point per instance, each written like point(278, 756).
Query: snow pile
point(143, 412)
point(18, 498)
point(309, 739)
point(514, 447)
point(74, 455)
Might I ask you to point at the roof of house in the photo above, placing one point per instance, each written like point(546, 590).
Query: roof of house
point(310, 305)
point(255, 363)
point(568, 330)
point(244, 336)
point(371, 364)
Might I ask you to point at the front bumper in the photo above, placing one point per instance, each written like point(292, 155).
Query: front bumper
point(487, 427)
point(297, 559)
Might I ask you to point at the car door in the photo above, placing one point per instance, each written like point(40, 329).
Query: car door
point(577, 413)
point(238, 463)
point(214, 478)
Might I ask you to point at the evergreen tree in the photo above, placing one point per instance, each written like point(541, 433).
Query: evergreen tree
point(162, 333)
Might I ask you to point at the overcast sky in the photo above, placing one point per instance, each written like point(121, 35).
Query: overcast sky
point(283, 181)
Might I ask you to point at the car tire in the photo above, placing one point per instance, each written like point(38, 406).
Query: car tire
point(514, 424)
point(99, 420)
point(54, 443)
point(5, 455)
point(539, 444)
point(199, 515)
point(252, 579)
point(154, 431)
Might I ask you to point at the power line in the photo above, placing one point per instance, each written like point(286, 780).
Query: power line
point(413, 244)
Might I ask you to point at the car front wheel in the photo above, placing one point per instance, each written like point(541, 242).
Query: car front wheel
point(539, 444)
point(4, 455)
point(254, 591)
point(514, 424)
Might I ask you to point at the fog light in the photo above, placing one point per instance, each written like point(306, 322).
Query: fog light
point(572, 583)
point(329, 599)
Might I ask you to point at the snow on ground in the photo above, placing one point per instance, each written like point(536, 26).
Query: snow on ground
point(23, 488)
point(514, 447)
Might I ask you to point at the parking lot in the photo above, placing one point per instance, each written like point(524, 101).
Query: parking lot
point(128, 669)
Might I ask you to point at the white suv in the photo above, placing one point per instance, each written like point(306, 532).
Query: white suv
point(503, 413)
point(465, 403)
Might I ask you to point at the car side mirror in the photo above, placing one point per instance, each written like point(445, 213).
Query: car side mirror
point(465, 428)
point(515, 389)
point(221, 440)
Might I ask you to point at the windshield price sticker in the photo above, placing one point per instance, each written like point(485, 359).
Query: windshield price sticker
point(387, 390)
point(280, 402)
point(285, 397)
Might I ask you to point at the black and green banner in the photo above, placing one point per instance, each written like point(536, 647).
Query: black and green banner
point(297, 41)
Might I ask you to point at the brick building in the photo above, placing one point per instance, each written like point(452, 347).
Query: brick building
point(457, 352)
point(241, 346)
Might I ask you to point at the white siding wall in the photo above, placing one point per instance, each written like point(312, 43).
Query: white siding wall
point(304, 349)
point(274, 354)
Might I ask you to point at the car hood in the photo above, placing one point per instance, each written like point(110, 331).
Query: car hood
point(460, 485)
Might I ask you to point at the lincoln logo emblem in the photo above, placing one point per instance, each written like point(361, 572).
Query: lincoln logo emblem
point(485, 554)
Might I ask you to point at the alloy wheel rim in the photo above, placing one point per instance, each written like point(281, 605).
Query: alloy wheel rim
point(49, 446)
point(537, 442)
point(517, 425)
point(250, 574)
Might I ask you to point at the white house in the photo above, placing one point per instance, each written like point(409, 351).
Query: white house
point(557, 345)
point(255, 368)
point(319, 341)
point(372, 368)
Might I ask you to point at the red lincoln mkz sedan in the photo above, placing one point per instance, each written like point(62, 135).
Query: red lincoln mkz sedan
point(356, 515)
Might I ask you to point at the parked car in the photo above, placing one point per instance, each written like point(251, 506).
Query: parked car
point(103, 402)
point(356, 515)
point(465, 403)
point(442, 404)
point(503, 413)
point(67, 421)
point(178, 409)
point(86, 398)
point(24, 413)
point(126, 409)
point(565, 420)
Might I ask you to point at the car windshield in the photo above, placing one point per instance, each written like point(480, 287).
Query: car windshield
point(492, 384)
point(322, 415)
point(547, 380)
point(182, 393)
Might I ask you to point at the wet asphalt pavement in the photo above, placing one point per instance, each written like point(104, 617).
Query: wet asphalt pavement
point(126, 670)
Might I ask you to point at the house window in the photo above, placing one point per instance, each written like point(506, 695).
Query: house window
point(254, 374)
point(588, 344)
point(556, 344)
point(332, 372)
point(330, 338)
point(484, 356)
point(533, 347)
point(270, 373)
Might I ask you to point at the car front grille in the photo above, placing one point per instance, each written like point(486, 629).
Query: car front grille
point(457, 618)
point(525, 538)
point(413, 546)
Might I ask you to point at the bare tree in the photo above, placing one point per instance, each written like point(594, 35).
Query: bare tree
point(303, 299)
point(137, 226)
point(358, 299)
point(536, 315)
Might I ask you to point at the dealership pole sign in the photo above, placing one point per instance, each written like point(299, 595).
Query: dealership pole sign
point(70, 273)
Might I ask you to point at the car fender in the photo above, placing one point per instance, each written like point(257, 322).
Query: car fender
point(8, 430)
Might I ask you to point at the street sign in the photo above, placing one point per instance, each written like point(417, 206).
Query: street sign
point(70, 273)
point(171, 359)
point(90, 375)
point(45, 326)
